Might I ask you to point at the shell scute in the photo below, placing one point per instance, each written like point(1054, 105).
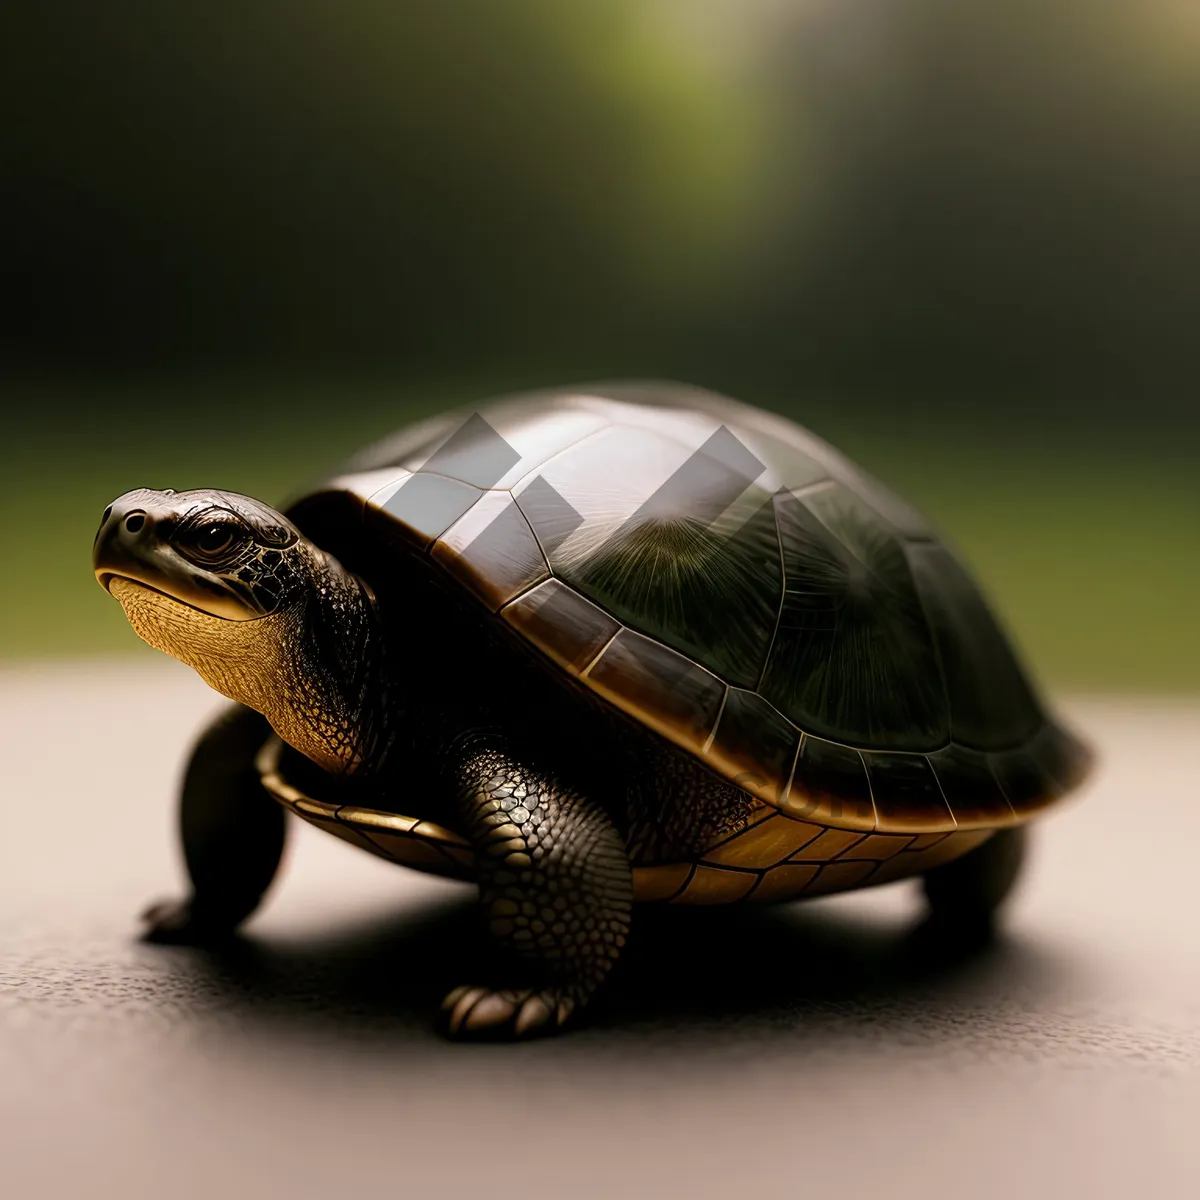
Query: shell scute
point(493, 550)
point(906, 792)
point(853, 657)
point(567, 627)
point(990, 702)
point(970, 786)
point(646, 679)
point(427, 505)
point(754, 744)
point(830, 784)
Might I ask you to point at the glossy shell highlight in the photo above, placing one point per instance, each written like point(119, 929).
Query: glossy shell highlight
point(730, 581)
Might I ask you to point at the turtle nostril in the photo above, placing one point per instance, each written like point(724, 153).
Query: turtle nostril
point(135, 521)
point(107, 514)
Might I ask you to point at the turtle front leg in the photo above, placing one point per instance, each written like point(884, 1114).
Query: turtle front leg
point(556, 888)
point(232, 833)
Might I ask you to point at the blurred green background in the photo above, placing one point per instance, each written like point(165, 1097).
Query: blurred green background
point(960, 241)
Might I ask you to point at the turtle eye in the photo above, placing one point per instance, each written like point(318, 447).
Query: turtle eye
point(214, 537)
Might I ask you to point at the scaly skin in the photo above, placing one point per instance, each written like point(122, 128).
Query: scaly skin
point(556, 889)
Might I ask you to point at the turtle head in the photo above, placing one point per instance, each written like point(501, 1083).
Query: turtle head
point(231, 587)
point(220, 554)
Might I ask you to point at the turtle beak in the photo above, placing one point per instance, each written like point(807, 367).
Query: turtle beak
point(127, 537)
point(133, 543)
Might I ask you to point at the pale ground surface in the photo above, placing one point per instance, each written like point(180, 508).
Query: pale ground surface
point(812, 1051)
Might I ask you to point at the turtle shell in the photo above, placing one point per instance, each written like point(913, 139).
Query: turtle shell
point(729, 580)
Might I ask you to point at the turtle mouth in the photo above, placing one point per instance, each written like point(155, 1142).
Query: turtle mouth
point(107, 578)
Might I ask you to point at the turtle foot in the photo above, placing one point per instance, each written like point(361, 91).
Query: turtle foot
point(177, 923)
point(504, 1014)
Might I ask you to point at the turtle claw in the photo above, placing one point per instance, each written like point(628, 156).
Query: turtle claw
point(509, 1013)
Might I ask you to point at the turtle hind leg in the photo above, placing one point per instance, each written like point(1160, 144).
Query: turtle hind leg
point(232, 833)
point(556, 888)
point(965, 893)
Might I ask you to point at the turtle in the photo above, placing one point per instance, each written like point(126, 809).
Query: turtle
point(587, 647)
